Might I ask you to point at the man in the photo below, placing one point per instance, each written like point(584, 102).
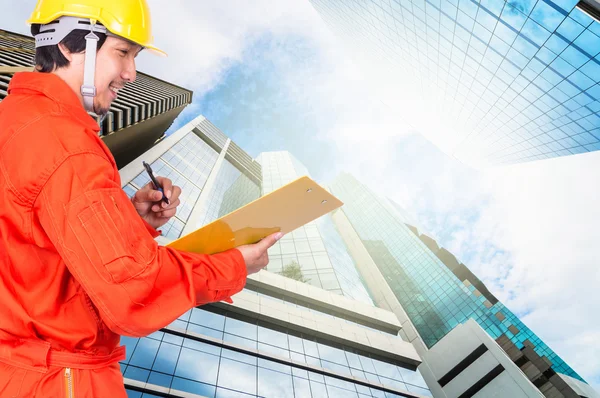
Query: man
point(78, 263)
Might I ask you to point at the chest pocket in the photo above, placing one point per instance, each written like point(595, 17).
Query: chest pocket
point(112, 235)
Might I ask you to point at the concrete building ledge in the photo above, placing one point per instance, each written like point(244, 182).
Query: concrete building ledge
point(384, 345)
point(328, 301)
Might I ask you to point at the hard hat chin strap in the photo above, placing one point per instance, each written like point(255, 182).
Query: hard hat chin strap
point(54, 32)
point(88, 89)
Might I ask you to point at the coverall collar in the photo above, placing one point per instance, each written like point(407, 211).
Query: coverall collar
point(55, 88)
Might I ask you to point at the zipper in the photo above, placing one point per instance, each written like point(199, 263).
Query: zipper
point(69, 382)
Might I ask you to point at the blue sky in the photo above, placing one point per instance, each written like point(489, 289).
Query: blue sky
point(259, 115)
point(255, 104)
point(273, 77)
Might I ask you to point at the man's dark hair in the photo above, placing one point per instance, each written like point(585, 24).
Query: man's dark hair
point(49, 58)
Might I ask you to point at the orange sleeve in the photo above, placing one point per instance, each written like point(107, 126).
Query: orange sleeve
point(137, 286)
point(153, 232)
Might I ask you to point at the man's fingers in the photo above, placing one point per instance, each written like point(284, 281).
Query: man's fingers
point(269, 241)
point(175, 194)
point(164, 207)
point(167, 213)
point(167, 186)
point(147, 195)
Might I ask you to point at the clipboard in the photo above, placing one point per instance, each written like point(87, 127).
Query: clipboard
point(283, 210)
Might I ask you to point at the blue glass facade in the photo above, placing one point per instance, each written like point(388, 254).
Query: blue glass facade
point(511, 81)
point(317, 246)
point(232, 190)
point(188, 164)
point(208, 368)
point(433, 297)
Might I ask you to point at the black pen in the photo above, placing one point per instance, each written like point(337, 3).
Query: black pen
point(157, 185)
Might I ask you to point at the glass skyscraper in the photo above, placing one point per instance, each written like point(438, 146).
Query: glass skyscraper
point(188, 162)
point(505, 81)
point(208, 368)
point(436, 296)
point(316, 247)
point(280, 337)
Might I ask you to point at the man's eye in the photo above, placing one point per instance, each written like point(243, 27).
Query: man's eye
point(124, 52)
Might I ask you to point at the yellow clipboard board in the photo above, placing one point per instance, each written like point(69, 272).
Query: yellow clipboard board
point(282, 210)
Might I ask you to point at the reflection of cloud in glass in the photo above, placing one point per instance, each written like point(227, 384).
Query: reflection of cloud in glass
point(197, 366)
point(237, 376)
point(201, 389)
point(492, 82)
point(403, 258)
point(274, 384)
point(225, 393)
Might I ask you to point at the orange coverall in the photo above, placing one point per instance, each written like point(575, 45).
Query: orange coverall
point(78, 266)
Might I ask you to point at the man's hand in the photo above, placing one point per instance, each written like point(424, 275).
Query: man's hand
point(147, 201)
point(256, 255)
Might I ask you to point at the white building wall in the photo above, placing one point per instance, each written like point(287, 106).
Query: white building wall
point(458, 345)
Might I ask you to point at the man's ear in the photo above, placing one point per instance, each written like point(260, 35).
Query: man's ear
point(65, 52)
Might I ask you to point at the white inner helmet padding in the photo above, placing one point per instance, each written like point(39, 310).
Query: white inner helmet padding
point(54, 32)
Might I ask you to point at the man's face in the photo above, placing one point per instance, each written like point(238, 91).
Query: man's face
point(115, 66)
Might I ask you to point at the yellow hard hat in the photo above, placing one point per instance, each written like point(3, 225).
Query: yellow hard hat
point(129, 19)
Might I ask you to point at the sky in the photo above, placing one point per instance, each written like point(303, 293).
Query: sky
point(272, 76)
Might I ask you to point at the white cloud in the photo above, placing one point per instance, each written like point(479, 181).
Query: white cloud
point(204, 38)
point(548, 211)
point(533, 240)
point(529, 231)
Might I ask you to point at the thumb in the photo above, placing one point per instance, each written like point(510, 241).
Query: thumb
point(269, 241)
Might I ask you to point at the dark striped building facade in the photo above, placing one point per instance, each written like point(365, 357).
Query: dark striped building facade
point(138, 118)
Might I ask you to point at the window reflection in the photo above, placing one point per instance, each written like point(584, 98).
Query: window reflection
point(239, 356)
point(273, 337)
point(166, 360)
point(274, 384)
point(208, 319)
point(273, 350)
point(386, 370)
point(332, 354)
point(240, 328)
point(237, 376)
point(301, 388)
point(208, 368)
point(274, 366)
point(200, 346)
point(197, 366)
point(310, 348)
point(136, 373)
point(230, 338)
point(336, 392)
point(160, 379)
point(193, 387)
point(145, 352)
point(226, 393)
point(318, 389)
